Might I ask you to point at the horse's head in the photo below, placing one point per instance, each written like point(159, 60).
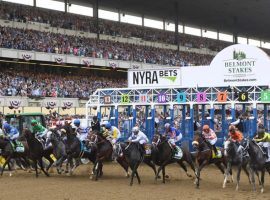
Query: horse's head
point(228, 146)
point(156, 139)
point(198, 141)
point(93, 137)
point(53, 135)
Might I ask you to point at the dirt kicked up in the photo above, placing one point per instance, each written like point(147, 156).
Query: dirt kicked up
point(114, 185)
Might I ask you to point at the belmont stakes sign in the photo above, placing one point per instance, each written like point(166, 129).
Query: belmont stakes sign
point(166, 77)
point(236, 65)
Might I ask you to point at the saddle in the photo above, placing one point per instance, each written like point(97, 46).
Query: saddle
point(17, 146)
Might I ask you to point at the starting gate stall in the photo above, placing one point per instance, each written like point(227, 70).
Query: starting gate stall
point(169, 97)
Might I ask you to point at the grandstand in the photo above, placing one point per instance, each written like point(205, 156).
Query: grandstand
point(103, 33)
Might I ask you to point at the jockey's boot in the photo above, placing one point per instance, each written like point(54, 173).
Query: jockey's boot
point(14, 143)
point(214, 148)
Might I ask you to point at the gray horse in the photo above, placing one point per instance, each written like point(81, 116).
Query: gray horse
point(235, 156)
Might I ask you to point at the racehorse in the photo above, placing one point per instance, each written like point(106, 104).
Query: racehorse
point(257, 163)
point(235, 156)
point(37, 152)
point(204, 156)
point(133, 156)
point(8, 152)
point(103, 151)
point(75, 149)
point(163, 154)
point(59, 148)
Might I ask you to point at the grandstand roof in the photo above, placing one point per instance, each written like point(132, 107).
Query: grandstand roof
point(250, 16)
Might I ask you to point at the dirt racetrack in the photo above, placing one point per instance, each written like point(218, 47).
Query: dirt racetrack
point(114, 185)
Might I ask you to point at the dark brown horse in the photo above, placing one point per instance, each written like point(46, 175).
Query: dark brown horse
point(37, 152)
point(163, 154)
point(204, 156)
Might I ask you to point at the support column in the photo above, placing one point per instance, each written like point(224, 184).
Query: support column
point(255, 115)
point(116, 115)
point(134, 114)
point(171, 113)
point(66, 5)
point(129, 111)
point(212, 115)
point(99, 113)
point(146, 120)
point(183, 124)
point(35, 3)
point(191, 136)
point(224, 120)
point(265, 115)
point(95, 15)
point(203, 114)
point(176, 24)
point(233, 111)
point(152, 121)
point(244, 108)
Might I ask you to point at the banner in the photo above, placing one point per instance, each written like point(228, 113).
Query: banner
point(14, 104)
point(87, 62)
point(50, 103)
point(236, 65)
point(26, 56)
point(147, 78)
point(113, 64)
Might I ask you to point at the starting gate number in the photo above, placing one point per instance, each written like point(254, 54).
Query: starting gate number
point(243, 96)
point(161, 98)
point(107, 99)
point(201, 97)
point(265, 96)
point(181, 97)
point(143, 98)
point(222, 96)
point(124, 98)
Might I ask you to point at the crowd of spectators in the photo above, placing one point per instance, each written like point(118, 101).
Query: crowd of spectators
point(37, 84)
point(23, 13)
point(33, 40)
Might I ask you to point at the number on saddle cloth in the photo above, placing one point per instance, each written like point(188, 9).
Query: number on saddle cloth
point(178, 154)
point(147, 149)
point(218, 155)
point(19, 147)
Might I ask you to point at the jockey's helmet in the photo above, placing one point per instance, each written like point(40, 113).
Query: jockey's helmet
point(206, 128)
point(135, 129)
point(261, 132)
point(77, 122)
point(7, 126)
point(108, 125)
point(232, 129)
point(167, 125)
point(34, 122)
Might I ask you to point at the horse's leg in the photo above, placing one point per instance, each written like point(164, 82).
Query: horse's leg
point(198, 172)
point(220, 167)
point(100, 172)
point(123, 164)
point(258, 176)
point(226, 174)
point(262, 180)
point(132, 176)
point(183, 166)
point(35, 165)
point(189, 160)
point(4, 165)
point(138, 177)
point(238, 176)
point(160, 167)
point(163, 175)
point(150, 164)
point(42, 168)
point(48, 157)
point(252, 179)
point(96, 170)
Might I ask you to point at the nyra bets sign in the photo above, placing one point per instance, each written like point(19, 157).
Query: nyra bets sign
point(167, 77)
point(241, 65)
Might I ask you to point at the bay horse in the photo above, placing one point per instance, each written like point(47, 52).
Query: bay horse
point(235, 156)
point(8, 152)
point(163, 154)
point(37, 152)
point(204, 157)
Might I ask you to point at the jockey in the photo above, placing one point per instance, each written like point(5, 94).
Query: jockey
point(82, 132)
point(211, 138)
point(235, 134)
point(172, 134)
point(95, 125)
point(138, 136)
point(264, 140)
point(112, 132)
point(38, 129)
point(11, 132)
